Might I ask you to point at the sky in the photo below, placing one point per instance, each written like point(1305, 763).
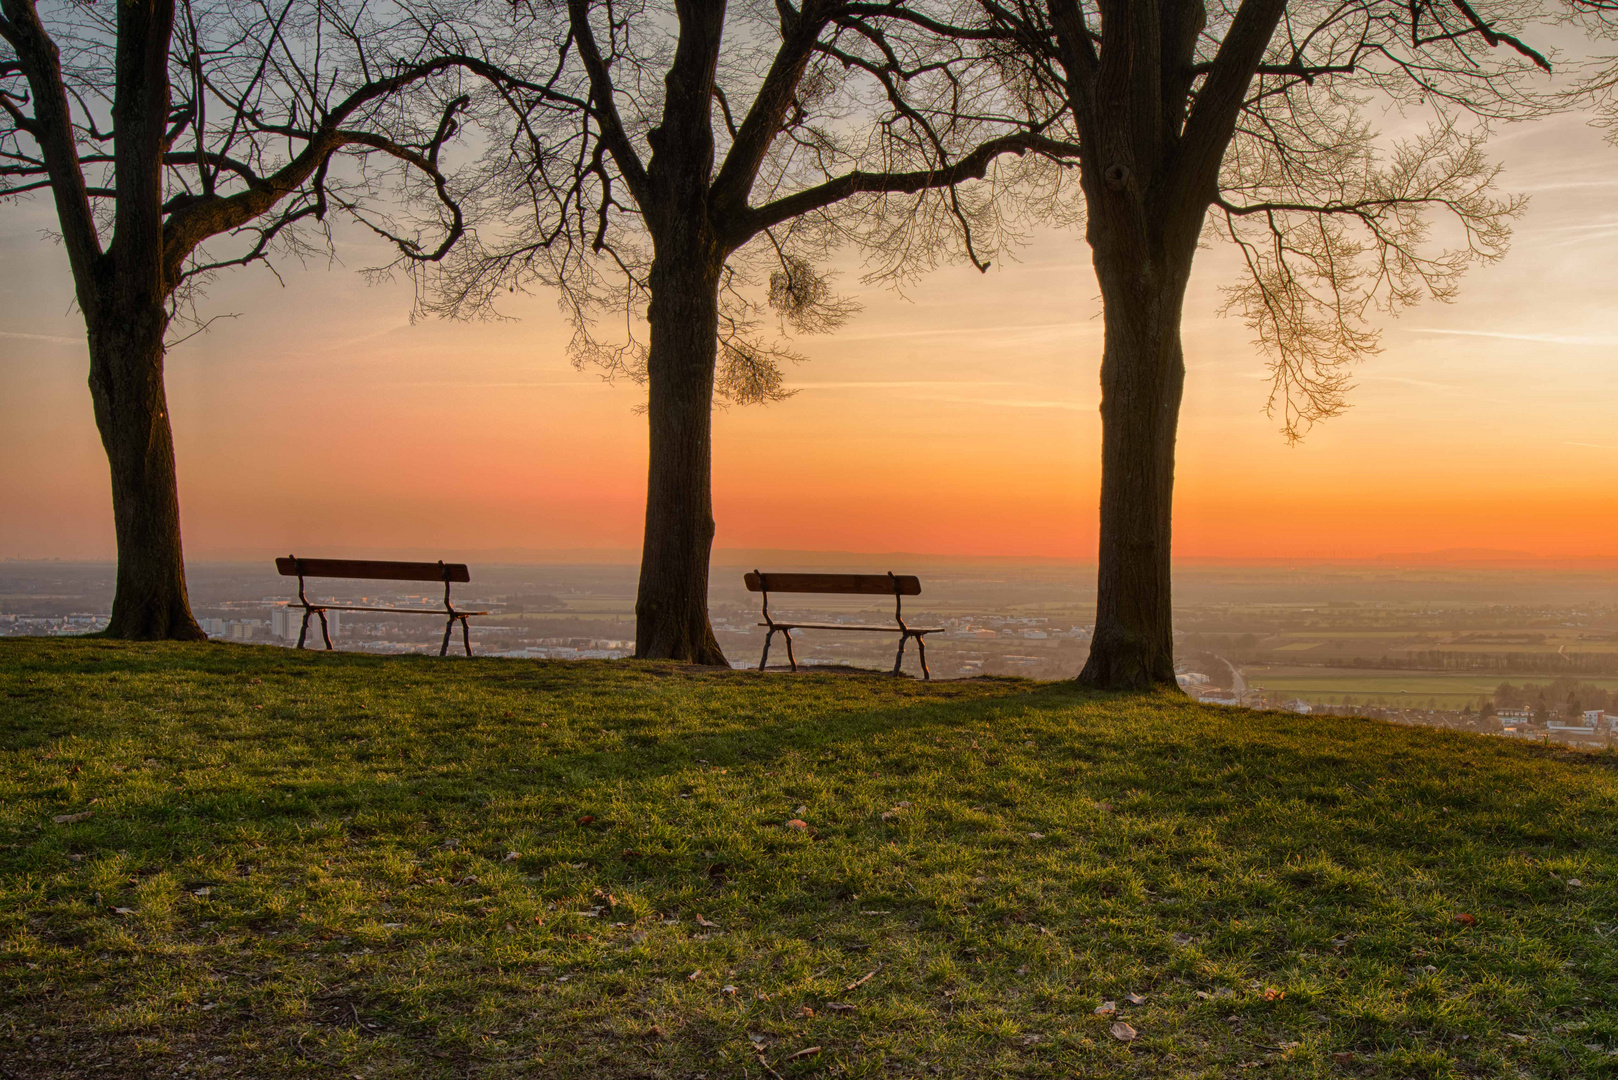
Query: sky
point(957, 418)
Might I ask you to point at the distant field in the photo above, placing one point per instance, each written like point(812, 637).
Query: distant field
point(1451, 691)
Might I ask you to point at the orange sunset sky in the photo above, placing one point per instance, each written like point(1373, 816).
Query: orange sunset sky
point(959, 418)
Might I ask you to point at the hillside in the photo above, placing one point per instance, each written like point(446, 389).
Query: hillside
point(240, 861)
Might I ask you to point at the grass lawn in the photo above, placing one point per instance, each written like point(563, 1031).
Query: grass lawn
point(226, 860)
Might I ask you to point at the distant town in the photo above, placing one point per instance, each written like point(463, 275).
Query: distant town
point(1535, 658)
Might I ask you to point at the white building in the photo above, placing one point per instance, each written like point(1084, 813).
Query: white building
point(287, 622)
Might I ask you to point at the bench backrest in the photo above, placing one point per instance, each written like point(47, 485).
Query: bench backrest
point(378, 569)
point(859, 584)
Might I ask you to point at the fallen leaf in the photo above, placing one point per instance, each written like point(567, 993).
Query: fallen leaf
point(1106, 1008)
point(806, 1012)
point(1134, 999)
point(801, 810)
point(586, 819)
point(1029, 1040)
point(470, 879)
point(901, 805)
point(1575, 883)
point(511, 856)
point(1272, 994)
point(1105, 807)
point(797, 823)
point(654, 1032)
point(69, 819)
point(727, 989)
point(1514, 1037)
point(1466, 920)
point(1183, 939)
point(1122, 1032)
point(808, 1051)
point(704, 922)
point(758, 1040)
point(123, 911)
point(889, 815)
point(693, 976)
point(1036, 836)
point(1343, 1057)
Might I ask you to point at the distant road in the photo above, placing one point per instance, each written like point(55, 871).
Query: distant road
point(1237, 682)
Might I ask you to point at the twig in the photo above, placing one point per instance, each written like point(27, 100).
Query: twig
point(862, 980)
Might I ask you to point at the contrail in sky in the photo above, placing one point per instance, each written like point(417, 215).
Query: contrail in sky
point(1547, 339)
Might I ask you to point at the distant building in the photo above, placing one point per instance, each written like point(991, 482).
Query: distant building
point(287, 622)
point(1298, 705)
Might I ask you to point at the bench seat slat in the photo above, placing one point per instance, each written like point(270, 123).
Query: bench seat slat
point(374, 569)
point(396, 610)
point(846, 584)
point(853, 626)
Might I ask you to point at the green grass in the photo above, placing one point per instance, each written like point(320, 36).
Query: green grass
point(297, 865)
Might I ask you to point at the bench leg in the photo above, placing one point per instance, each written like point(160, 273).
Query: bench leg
point(303, 631)
point(921, 651)
point(449, 625)
point(324, 632)
point(466, 636)
point(765, 659)
point(793, 660)
point(899, 659)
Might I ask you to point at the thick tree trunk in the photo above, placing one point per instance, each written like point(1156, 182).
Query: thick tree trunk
point(1142, 379)
point(126, 387)
point(671, 610)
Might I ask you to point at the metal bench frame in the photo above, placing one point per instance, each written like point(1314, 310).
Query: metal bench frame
point(379, 571)
point(898, 585)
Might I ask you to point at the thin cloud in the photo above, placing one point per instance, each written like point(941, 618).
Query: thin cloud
point(899, 385)
point(1544, 339)
point(969, 331)
point(42, 337)
point(1016, 403)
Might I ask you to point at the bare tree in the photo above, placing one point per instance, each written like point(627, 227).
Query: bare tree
point(180, 140)
point(691, 168)
point(1597, 86)
point(1249, 121)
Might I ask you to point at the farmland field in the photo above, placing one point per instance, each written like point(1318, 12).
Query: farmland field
point(1330, 685)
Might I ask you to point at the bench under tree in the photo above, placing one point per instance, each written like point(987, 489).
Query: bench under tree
point(897, 586)
point(379, 570)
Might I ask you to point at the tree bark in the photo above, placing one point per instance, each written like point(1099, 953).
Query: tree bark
point(131, 411)
point(1142, 381)
point(671, 609)
point(125, 309)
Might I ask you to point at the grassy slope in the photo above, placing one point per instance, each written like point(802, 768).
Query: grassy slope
point(350, 817)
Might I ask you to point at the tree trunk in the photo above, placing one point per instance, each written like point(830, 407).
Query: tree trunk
point(126, 387)
point(671, 610)
point(1142, 380)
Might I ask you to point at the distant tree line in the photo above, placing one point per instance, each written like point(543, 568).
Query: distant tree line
point(1564, 697)
point(1502, 662)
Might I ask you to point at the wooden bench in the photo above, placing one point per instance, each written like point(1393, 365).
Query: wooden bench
point(889, 584)
point(379, 570)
